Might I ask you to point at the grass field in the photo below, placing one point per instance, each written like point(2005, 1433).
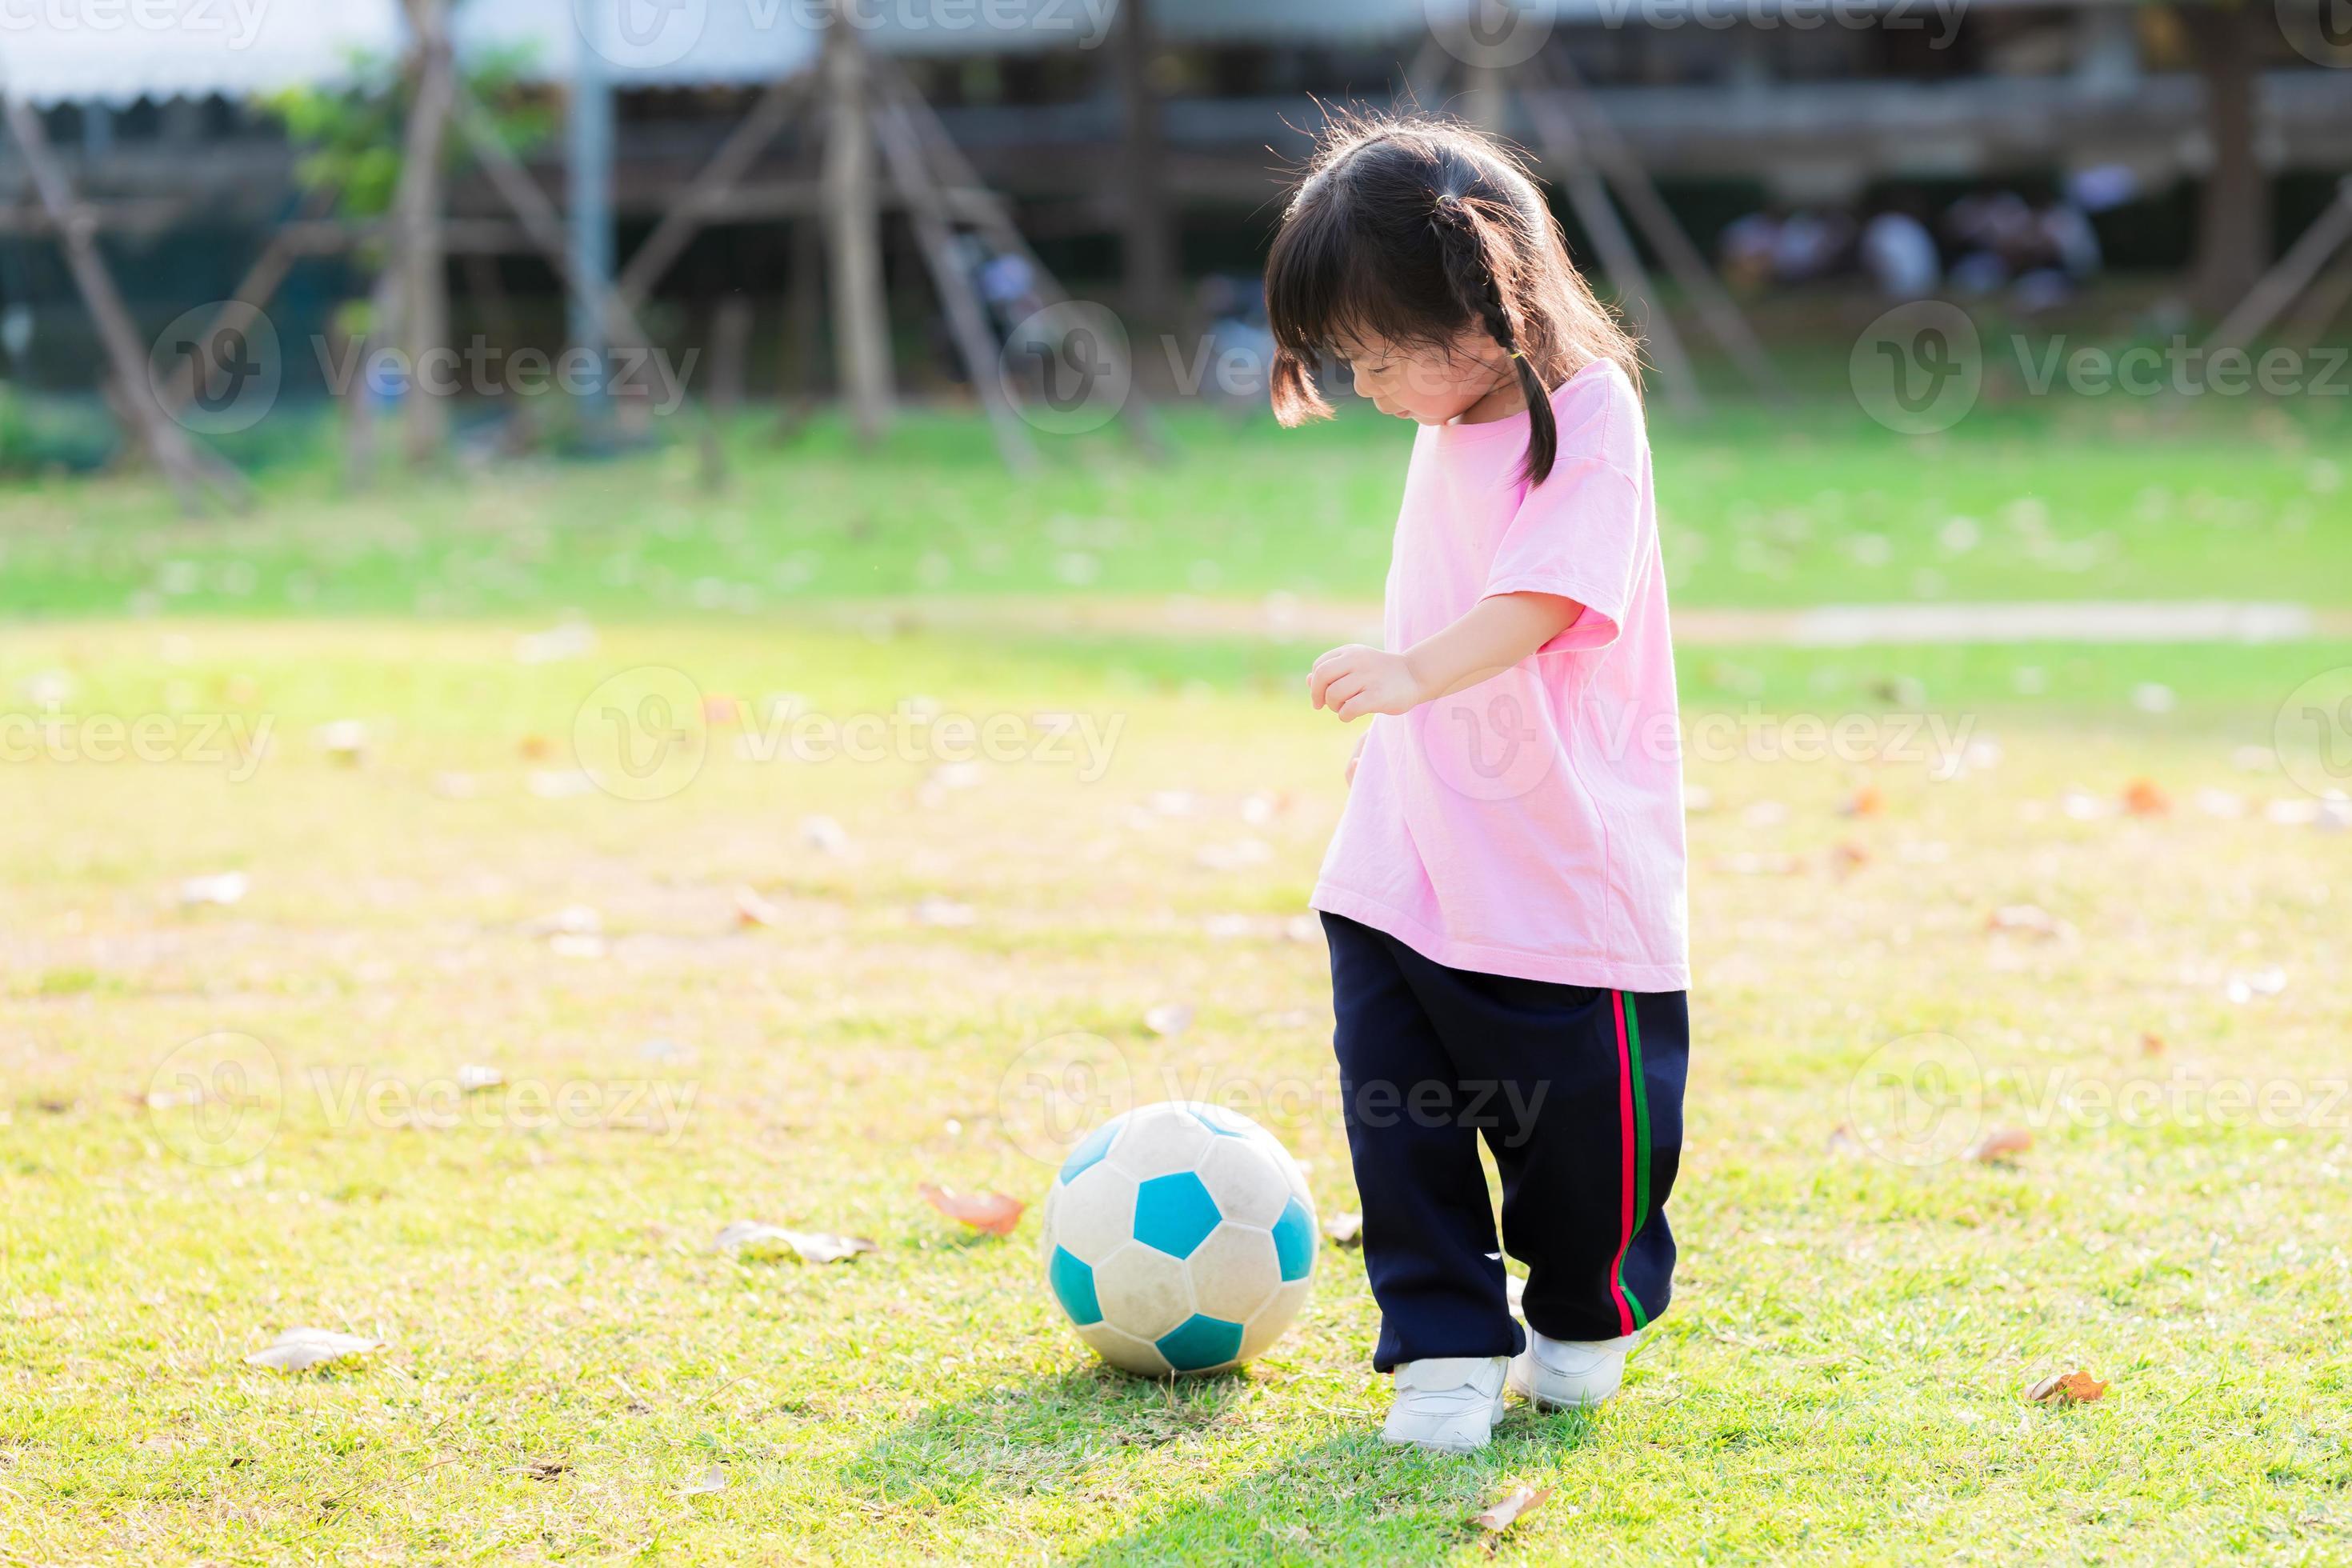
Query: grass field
point(2114, 498)
point(1842, 1377)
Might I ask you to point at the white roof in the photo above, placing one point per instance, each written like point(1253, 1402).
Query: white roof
point(120, 51)
point(54, 51)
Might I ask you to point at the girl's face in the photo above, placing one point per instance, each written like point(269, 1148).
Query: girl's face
point(1434, 385)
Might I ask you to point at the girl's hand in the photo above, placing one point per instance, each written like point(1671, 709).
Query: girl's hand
point(1354, 680)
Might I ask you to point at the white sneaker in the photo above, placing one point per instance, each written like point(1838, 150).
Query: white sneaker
point(1564, 1374)
point(1447, 1402)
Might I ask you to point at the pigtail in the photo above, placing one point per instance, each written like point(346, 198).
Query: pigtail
point(1475, 258)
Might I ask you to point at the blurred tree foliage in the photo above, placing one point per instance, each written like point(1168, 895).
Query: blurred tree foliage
point(350, 136)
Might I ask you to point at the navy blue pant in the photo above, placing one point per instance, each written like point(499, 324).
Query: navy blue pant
point(1579, 1092)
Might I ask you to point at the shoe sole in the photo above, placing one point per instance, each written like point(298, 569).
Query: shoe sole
point(1547, 1402)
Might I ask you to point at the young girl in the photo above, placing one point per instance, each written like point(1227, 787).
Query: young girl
point(1503, 897)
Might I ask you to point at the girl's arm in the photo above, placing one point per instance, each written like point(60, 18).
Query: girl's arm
point(1496, 634)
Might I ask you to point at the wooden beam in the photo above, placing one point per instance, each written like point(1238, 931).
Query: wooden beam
point(2293, 273)
point(544, 225)
point(718, 179)
point(2322, 303)
point(1147, 238)
point(994, 217)
point(1648, 210)
point(1564, 156)
point(967, 316)
point(185, 467)
point(854, 224)
point(254, 292)
point(417, 213)
point(144, 216)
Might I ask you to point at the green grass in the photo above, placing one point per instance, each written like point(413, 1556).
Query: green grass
point(1842, 1377)
point(2117, 499)
point(1840, 1380)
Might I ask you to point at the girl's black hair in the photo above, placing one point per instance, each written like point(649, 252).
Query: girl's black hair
point(1411, 229)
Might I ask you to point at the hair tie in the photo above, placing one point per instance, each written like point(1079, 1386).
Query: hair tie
point(1516, 355)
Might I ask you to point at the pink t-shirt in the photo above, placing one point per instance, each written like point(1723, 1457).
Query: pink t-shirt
point(1531, 824)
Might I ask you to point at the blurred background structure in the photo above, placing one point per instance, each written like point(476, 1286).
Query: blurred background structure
point(1827, 157)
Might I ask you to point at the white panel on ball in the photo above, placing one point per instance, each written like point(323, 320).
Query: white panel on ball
point(1178, 1238)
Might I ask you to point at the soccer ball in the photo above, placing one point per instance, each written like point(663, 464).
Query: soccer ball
point(1178, 1238)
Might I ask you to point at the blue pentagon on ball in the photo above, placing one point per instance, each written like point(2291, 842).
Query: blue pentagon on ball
point(1294, 1240)
point(1228, 1123)
point(1198, 1342)
point(1093, 1147)
point(1073, 1286)
point(1174, 1213)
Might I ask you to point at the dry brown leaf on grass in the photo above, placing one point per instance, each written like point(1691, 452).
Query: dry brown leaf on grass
point(1345, 1229)
point(2030, 920)
point(2145, 798)
point(713, 1480)
point(1508, 1510)
point(810, 1245)
point(2000, 1145)
point(2066, 1388)
point(2151, 1045)
point(990, 1212)
point(1866, 801)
